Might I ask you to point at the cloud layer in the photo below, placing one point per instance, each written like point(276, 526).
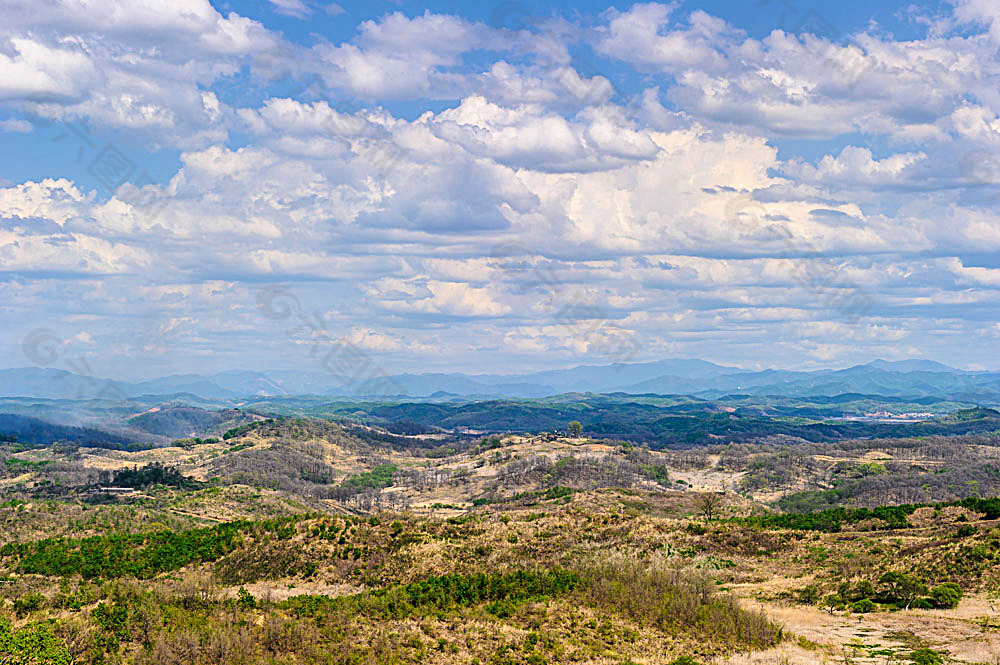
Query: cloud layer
point(451, 194)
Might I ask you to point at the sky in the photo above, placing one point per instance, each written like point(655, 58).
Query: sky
point(189, 186)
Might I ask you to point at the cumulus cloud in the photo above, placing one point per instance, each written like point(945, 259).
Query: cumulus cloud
point(123, 66)
point(803, 84)
point(402, 57)
point(295, 8)
point(855, 166)
point(673, 214)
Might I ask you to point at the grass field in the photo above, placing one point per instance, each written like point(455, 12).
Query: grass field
point(511, 549)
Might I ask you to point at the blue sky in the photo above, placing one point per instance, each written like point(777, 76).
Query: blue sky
point(498, 187)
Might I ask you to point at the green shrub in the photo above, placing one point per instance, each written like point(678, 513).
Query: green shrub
point(153, 474)
point(809, 595)
point(853, 593)
point(834, 601)
point(965, 531)
point(900, 589)
point(501, 593)
point(113, 620)
point(141, 555)
point(696, 529)
point(27, 603)
point(893, 517)
point(946, 596)
point(245, 600)
point(33, 645)
point(378, 478)
point(926, 657)
point(557, 492)
point(864, 606)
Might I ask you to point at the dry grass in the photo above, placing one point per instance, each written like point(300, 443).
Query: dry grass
point(655, 564)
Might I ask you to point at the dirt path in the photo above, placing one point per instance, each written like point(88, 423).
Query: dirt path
point(197, 516)
point(880, 637)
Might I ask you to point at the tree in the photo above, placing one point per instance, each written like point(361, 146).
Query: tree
point(833, 602)
point(31, 645)
point(245, 599)
point(947, 595)
point(901, 588)
point(575, 428)
point(709, 505)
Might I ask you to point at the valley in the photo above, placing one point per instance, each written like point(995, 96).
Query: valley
point(271, 538)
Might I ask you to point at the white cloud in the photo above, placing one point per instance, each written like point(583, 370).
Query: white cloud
point(435, 297)
point(398, 57)
point(980, 11)
point(677, 218)
point(123, 66)
point(640, 35)
point(15, 126)
point(855, 166)
point(804, 85)
point(295, 8)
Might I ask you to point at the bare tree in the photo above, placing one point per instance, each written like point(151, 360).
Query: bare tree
point(709, 505)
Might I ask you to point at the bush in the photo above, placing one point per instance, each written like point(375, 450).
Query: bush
point(32, 645)
point(926, 657)
point(154, 474)
point(946, 596)
point(695, 529)
point(851, 594)
point(965, 531)
point(809, 595)
point(28, 603)
point(501, 592)
point(833, 601)
point(864, 606)
point(378, 478)
point(557, 492)
point(654, 590)
point(900, 589)
point(245, 600)
point(141, 555)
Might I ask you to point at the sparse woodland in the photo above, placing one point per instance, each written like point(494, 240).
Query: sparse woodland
point(302, 541)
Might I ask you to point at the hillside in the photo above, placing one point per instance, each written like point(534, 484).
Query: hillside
point(519, 550)
point(32, 431)
point(662, 421)
point(295, 539)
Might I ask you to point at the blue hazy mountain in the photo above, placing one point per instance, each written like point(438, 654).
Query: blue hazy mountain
point(911, 366)
point(907, 378)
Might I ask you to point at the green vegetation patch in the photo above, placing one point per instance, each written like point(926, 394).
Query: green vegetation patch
point(378, 478)
point(31, 645)
point(141, 555)
point(154, 474)
point(435, 594)
point(16, 464)
point(894, 517)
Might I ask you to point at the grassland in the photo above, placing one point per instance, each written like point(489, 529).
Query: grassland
point(307, 542)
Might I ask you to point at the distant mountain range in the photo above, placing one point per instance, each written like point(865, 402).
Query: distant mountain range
point(907, 378)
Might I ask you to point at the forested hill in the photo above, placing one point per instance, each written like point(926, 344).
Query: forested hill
point(32, 431)
point(688, 421)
